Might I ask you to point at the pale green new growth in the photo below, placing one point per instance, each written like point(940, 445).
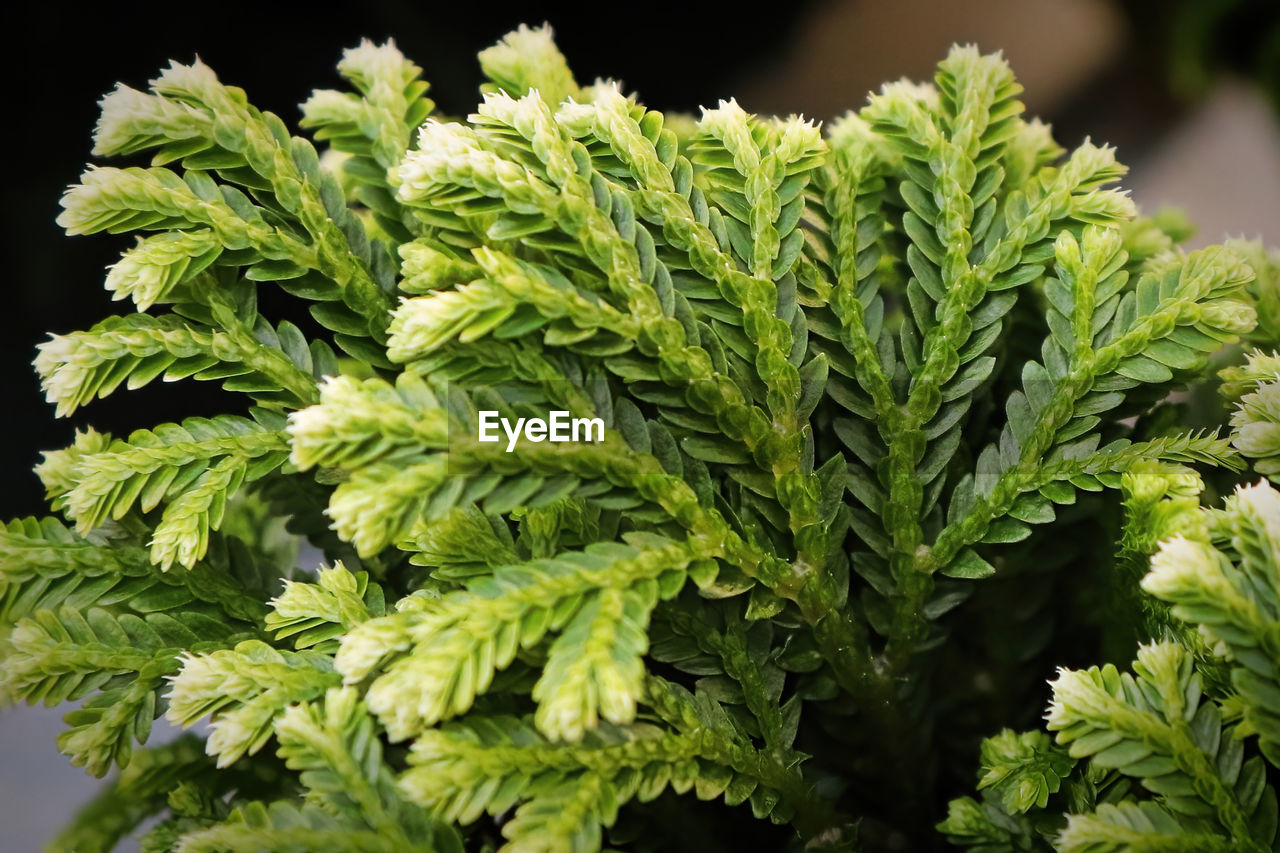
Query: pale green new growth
point(1255, 424)
point(245, 689)
point(1188, 750)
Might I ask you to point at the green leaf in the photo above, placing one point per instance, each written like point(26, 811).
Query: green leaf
point(969, 565)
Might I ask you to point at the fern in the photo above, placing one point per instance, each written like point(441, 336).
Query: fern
point(1255, 425)
point(837, 372)
point(1190, 750)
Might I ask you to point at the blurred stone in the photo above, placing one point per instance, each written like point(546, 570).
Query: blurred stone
point(1221, 164)
point(39, 789)
point(847, 49)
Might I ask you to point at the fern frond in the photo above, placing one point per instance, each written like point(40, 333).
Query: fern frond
point(1255, 424)
point(95, 618)
point(1136, 826)
point(333, 746)
point(374, 123)
point(314, 613)
point(757, 172)
point(462, 543)
point(1024, 769)
point(410, 458)
point(1091, 359)
point(44, 565)
point(244, 689)
point(563, 794)
point(1228, 589)
point(446, 652)
point(526, 59)
point(288, 827)
point(1159, 729)
point(147, 273)
point(190, 468)
point(594, 668)
point(1264, 290)
point(65, 653)
point(509, 292)
point(297, 220)
point(274, 365)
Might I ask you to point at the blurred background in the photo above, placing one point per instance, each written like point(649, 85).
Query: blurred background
point(1187, 90)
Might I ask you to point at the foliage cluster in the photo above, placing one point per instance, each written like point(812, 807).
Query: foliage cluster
point(870, 395)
